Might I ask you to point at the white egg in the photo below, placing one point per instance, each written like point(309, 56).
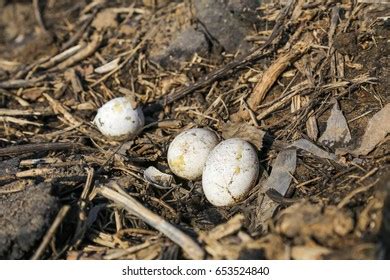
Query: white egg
point(118, 119)
point(231, 170)
point(188, 152)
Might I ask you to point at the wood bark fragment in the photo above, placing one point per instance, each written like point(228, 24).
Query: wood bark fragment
point(270, 76)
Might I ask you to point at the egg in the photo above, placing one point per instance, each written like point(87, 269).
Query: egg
point(118, 119)
point(231, 170)
point(188, 152)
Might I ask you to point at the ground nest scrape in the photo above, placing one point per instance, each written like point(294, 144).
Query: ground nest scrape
point(270, 72)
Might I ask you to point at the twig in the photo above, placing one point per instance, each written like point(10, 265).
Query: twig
point(346, 199)
point(280, 103)
point(15, 112)
point(188, 245)
point(121, 253)
point(38, 16)
point(370, 173)
point(51, 231)
point(22, 83)
point(80, 32)
point(69, 119)
point(61, 56)
point(83, 203)
point(34, 148)
point(273, 72)
point(129, 57)
point(216, 75)
point(19, 121)
point(277, 197)
point(270, 76)
point(82, 54)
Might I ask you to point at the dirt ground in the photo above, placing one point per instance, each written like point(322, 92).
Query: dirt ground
point(270, 72)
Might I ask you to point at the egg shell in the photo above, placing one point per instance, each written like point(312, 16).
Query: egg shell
point(231, 170)
point(188, 152)
point(117, 118)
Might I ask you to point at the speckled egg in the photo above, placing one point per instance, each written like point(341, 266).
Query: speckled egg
point(231, 170)
point(118, 119)
point(188, 152)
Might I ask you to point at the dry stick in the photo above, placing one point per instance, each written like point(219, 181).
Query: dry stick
point(348, 198)
point(277, 105)
point(20, 100)
point(269, 78)
point(22, 83)
point(65, 54)
point(33, 148)
point(277, 197)
point(69, 119)
point(272, 74)
point(13, 187)
point(188, 245)
point(123, 252)
point(23, 72)
point(80, 32)
point(82, 54)
point(50, 233)
point(332, 53)
point(234, 65)
point(38, 16)
point(216, 75)
point(19, 121)
point(129, 58)
point(83, 203)
point(61, 56)
point(15, 112)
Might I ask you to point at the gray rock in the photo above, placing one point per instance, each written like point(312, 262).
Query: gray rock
point(183, 47)
point(221, 24)
point(244, 10)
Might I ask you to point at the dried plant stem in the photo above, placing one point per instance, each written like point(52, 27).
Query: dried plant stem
point(33, 148)
point(50, 233)
point(38, 16)
point(188, 245)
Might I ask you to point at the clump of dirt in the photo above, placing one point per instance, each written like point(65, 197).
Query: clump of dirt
point(24, 218)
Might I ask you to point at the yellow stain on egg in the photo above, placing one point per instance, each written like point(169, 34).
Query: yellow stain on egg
point(239, 154)
point(118, 107)
point(237, 170)
point(178, 163)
